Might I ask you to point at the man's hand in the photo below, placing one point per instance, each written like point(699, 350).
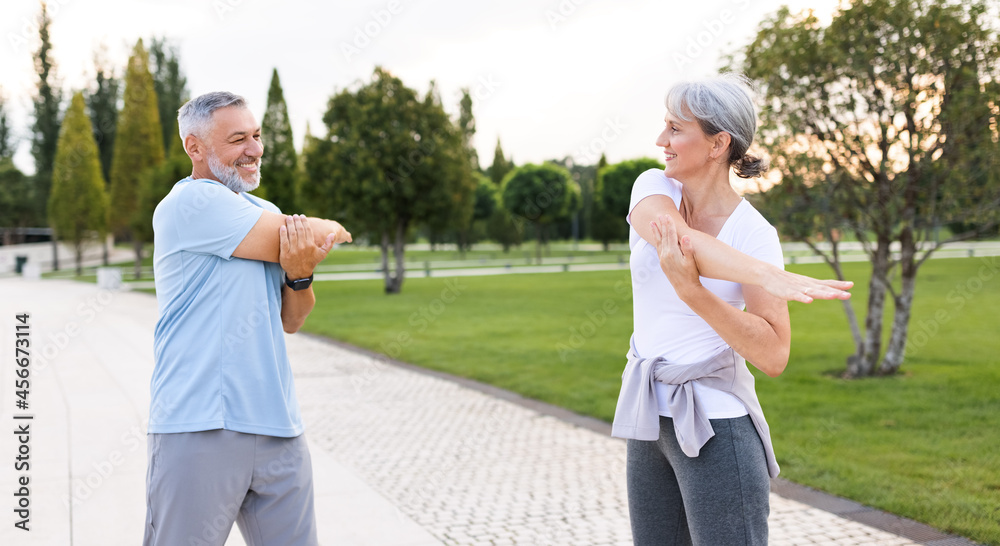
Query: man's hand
point(298, 254)
point(341, 235)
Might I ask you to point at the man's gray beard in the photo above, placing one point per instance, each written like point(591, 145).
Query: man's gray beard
point(230, 177)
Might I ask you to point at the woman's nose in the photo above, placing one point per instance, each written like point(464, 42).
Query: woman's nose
point(663, 140)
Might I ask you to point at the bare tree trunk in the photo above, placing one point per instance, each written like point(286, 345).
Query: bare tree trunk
point(137, 245)
point(78, 247)
point(852, 320)
point(399, 250)
point(384, 246)
point(538, 246)
point(104, 251)
point(896, 350)
point(55, 253)
point(852, 317)
point(904, 303)
point(862, 363)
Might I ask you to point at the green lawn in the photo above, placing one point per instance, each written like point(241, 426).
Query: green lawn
point(349, 255)
point(923, 444)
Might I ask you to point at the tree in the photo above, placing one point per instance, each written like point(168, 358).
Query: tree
point(466, 209)
point(612, 196)
point(467, 124)
point(883, 125)
point(155, 183)
point(473, 211)
point(103, 104)
point(578, 224)
point(7, 144)
point(279, 172)
point(501, 165)
point(78, 204)
point(589, 196)
point(45, 131)
point(170, 85)
point(541, 194)
point(16, 192)
point(138, 146)
point(16, 200)
point(390, 161)
point(504, 228)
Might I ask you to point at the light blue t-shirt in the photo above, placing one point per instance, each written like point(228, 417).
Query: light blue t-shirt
point(219, 346)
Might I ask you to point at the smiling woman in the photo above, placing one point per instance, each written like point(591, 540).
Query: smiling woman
point(716, 107)
point(709, 291)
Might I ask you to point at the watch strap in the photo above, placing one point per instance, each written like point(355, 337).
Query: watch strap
point(298, 284)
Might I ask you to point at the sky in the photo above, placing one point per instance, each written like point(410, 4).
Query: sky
point(549, 78)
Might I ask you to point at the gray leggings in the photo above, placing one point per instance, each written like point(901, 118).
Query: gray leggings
point(719, 498)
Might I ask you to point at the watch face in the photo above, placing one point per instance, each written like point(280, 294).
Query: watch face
point(299, 284)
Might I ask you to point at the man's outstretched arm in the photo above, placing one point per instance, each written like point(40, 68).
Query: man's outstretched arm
point(263, 243)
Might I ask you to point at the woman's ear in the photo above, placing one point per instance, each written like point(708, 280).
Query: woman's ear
point(720, 144)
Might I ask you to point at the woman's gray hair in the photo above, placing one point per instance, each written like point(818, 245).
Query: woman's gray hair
point(195, 117)
point(723, 103)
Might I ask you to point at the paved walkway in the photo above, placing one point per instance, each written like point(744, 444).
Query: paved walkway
point(400, 457)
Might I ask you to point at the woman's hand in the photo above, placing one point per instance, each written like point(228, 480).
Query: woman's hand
point(676, 257)
point(794, 287)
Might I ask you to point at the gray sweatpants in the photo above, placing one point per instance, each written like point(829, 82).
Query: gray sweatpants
point(719, 498)
point(199, 483)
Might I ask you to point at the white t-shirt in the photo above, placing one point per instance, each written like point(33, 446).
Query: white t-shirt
point(663, 325)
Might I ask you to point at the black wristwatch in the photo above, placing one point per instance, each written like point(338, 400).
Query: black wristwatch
point(298, 284)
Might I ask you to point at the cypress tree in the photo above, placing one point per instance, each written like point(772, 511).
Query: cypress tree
point(279, 172)
point(45, 134)
point(138, 146)
point(103, 105)
point(16, 196)
point(155, 183)
point(170, 84)
point(7, 144)
point(501, 166)
point(467, 124)
point(78, 204)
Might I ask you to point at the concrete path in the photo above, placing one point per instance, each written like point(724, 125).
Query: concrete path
point(400, 457)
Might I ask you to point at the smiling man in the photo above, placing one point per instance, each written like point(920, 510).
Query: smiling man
point(232, 274)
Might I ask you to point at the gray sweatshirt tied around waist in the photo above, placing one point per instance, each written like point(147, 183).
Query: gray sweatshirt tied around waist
point(637, 415)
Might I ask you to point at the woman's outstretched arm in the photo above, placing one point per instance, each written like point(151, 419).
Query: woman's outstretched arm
point(718, 260)
point(762, 334)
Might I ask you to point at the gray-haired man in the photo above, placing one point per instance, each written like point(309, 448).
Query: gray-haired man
point(225, 435)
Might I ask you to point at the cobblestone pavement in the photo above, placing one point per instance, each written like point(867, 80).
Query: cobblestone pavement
point(401, 457)
point(474, 469)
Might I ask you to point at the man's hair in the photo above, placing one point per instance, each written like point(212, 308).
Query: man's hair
point(195, 117)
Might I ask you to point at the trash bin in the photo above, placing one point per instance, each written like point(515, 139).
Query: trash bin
point(19, 262)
